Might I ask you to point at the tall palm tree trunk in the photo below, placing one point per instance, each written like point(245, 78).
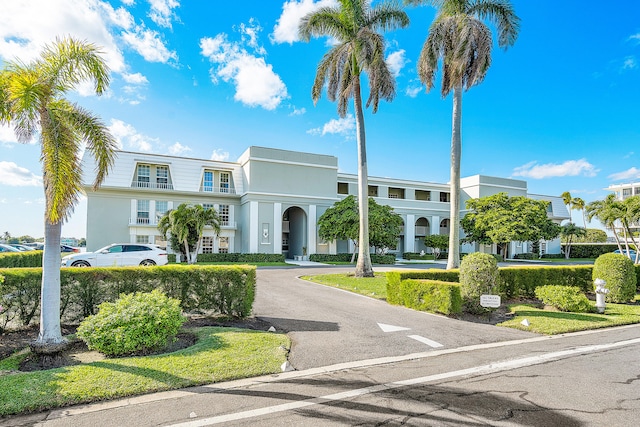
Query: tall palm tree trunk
point(363, 266)
point(453, 261)
point(50, 338)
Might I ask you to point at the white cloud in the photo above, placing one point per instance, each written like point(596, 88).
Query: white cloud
point(15, 176)
point(629, 63)
point(7, 135)
point(135, 79)
point(396, 61)
point(27, 26)
point(286, 28)
point(149, 45)
point(178, 149)
point(345, 126)
point(549, 170)
point(162, 11)
point(298, 111)
point(128, 137)
point(413, 91)
point(257, 85)
point(630, 174)
point(219, 155)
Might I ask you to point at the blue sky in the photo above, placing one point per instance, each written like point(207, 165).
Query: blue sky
point(208, 79)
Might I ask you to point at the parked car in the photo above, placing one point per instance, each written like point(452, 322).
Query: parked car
point(67, 248)
point(8, 248)
point(35, 245)
point(118, 255)
point(630, 253)
point(21, 248)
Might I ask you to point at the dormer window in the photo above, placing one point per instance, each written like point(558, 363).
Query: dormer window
point(162, 176)
point(224, 182)
point(144, 174)
point(207, 184)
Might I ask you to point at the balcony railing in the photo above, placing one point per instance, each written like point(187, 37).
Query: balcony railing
point(421, 230)
point(143, 221)
point(218, 190)
point(152, 185)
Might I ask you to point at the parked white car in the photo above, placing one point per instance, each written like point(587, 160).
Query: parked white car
point(8, 248)
point(118, 255)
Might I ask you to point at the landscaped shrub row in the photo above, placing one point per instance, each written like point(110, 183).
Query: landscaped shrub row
point(345, 257)
point(414, 255)
point(394, 278)
point(228, 290)
point(590, 251)
point(237, 257)
point(21, 259)
point(431, 295)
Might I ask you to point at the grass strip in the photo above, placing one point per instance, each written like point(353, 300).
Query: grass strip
point(375, 287)
point(221, 354)
point(550, 322)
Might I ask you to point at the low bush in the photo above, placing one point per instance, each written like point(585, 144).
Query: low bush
point(564, 298)
point(522, 281)
point(478, 275)
point(344, 257)
point(394, 278)
point(138, 322)
point(21, 259)
point(228, 290)
point(526, 255)
point(414, 255)
point(555, 256)
point(432, 296)
point(238, 257)
point(619, 273)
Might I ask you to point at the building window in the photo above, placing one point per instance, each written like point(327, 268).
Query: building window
point(142, 239)
point(162, 206)
point(396, 193)
point(223, 213)
point(626, 192)
point(224, 245)
point(373, 191)
point(445, 197)
point(343, 188)
point(207, 245)
point(207, 184)
point(142, 216)
point(162, 176)
point(224, 182)
point(144, 172)
point(636, 191)
point(207, 206)
point(423, 195)
point(160, 241)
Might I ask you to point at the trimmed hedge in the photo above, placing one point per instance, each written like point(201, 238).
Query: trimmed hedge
point(346, 257)
point(394, 278)
point(619, 273)
point(479, 275)
point(238, 257)
point(21, 259)
point(228, 290)
point(564, 298)
point(431, 295)
point(590, 251)
point(414, 255)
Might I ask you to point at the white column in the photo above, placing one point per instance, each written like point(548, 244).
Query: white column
point(232, 219)
point(134, 211)
point(435, 225)
point(333, 247)
point(254, 229)
point(152, 212)
point(410, 234)
point(277, 228)
point(311, 235)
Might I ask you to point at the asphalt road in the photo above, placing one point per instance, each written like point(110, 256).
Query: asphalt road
point(352, 372)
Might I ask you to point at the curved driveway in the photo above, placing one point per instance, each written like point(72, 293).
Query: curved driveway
point(329, 326)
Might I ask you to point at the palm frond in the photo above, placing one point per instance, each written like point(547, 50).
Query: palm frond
point(502, 15)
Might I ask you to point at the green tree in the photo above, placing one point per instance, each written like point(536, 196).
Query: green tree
point(579, 204)
point(460, 39)
point(568, 233)
point(501, 219)
point(186, 222)
point(611, 212)
point(6, 236)
point(437, 242)
point(359, 49)
point(342, 222)
point(607, 211)
point(27, 239)
point(568, 202)
point(32, 101)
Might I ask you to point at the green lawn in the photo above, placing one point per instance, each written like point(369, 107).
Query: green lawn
point(375, 287)
point(221, 354)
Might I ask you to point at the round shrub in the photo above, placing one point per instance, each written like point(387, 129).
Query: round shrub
point(137, 322)
point(564, 298)
point(619, 273)
point(478, 275)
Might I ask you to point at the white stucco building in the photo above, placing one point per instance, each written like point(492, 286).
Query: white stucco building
point(270, 200)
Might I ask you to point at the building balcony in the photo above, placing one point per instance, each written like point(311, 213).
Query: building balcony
point(152, 185)
point(152, 222)
point(217, 190)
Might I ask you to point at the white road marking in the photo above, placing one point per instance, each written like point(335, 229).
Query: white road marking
point(426, 341)
point(478, 370)
point(391, 328)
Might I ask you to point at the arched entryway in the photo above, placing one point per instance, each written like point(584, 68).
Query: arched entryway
point(444, 226)
point(294, 233)
point(422, 229)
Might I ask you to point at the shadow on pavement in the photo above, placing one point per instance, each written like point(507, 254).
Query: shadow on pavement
point(297, 325)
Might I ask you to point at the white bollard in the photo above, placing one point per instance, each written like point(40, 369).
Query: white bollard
point(601, 293)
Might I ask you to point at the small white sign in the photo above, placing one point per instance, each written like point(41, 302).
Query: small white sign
point(492, 301)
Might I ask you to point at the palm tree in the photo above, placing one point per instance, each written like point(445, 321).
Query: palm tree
point(579, 204)
point(568, 201)
point(186, 221)
point(569, 232)
point(32, 102)
point(460, 39)
point(608, 212)
point(359, 49)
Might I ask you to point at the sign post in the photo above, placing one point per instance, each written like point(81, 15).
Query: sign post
point(490, 301)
